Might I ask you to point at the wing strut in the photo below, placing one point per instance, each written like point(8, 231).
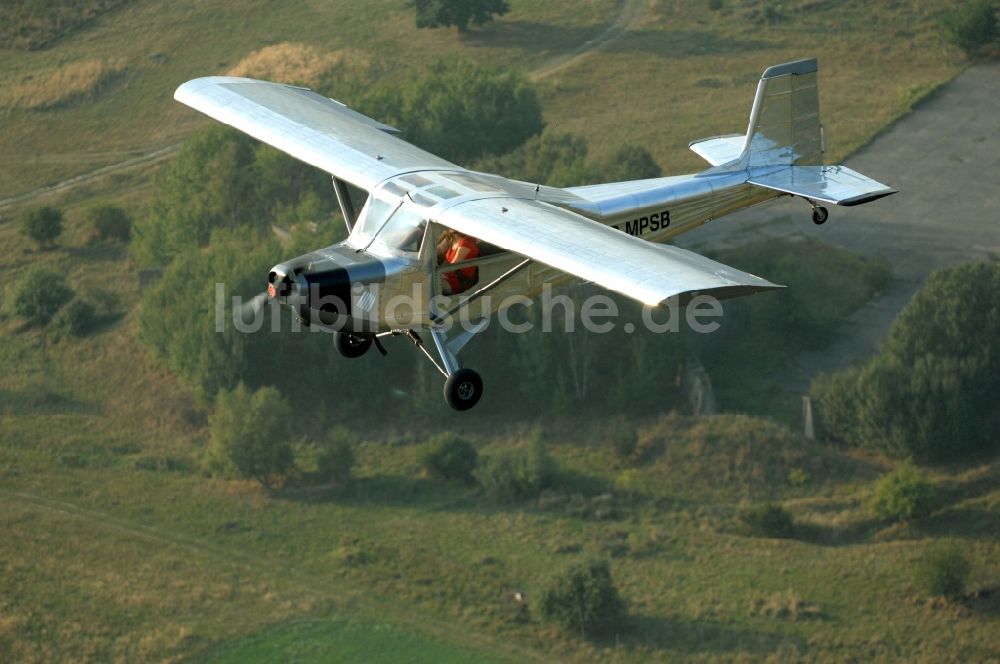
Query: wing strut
point(345, 202)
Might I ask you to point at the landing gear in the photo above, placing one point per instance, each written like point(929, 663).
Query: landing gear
point(352, 345)
point(820, 215)
point(463, 389)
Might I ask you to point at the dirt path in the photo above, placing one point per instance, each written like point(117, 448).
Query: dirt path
point(944, 157)
point(630, 13)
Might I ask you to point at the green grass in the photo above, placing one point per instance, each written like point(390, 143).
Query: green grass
point(649, 88)
point(340, 640)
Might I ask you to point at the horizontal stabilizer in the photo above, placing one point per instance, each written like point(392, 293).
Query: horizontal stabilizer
point(721, 149)
point(838, 185)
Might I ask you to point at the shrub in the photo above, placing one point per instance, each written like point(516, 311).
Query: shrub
point(76, 318)
point(42, 225)
point(250, 434)
point(768, 520)
point(336, 458)
point(943, 571)
point(38, 295)
point(458, 13)
point(972, 25)
point(517, 474)
point(109, 223)
point(584, 599)
point(449, 457)
point(927, 393)
point(903, 494)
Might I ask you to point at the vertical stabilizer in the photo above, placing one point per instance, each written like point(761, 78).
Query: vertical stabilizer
point(784, 123)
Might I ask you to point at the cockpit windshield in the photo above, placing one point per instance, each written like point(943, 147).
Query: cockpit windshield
point(389, 228)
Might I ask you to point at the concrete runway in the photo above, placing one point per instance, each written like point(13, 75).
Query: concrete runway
point(944, 158)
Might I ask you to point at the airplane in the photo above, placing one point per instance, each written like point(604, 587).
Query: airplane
point(527, 234)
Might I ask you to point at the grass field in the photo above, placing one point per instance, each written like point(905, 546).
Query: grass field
point(654, 82)
point(116, 547)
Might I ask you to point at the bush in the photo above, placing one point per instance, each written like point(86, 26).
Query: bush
point(517, 474)
point(250, 434)
point(943, 571)
point(973, 25)
point(927, 393)
point(38, 295)
point(624, 441)
point(903, 494)
point(458, 13)
point(109, 223)
point(584, 599)
point(768, 520)
point(449, 457)
point(76, 318)
point(42, 225)
point(336, 457)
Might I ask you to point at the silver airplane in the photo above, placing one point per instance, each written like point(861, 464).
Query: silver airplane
point(388, 278)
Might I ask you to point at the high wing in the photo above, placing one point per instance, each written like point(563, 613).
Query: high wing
point(650, 273)
point(308, 126)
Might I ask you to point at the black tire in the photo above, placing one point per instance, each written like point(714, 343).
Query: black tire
point(820, 215)
point(351, 345)
point(463, 389)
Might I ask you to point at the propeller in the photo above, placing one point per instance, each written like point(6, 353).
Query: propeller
point(249, 309)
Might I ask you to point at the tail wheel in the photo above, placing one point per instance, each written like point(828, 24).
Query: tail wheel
point(463, 389)
point(351, 345)
point(820, 215)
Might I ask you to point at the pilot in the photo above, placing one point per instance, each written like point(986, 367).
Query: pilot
point(453, 247)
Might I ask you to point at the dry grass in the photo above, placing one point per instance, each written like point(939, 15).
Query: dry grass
point(60, 87)
point(298, 64)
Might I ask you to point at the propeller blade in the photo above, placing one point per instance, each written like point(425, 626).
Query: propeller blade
point(250, 308)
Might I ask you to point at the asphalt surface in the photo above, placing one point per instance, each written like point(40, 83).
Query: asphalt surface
point(944, 158)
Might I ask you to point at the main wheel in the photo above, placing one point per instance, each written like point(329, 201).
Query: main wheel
point(351, 345)
point(463, 389)
point(820, 215)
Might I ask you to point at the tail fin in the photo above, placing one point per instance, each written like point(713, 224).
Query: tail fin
point(783, 147)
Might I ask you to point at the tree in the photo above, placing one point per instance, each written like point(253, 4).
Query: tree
point(42, 225)
point(38, 295)
point(933, 390)
point(584, 599)
point(223, 181)
point(460, 111)
point(250, 436)
point(459, 13)
point(629, 163)
point(973, 25)
point(109, 223)
point(558, 160)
